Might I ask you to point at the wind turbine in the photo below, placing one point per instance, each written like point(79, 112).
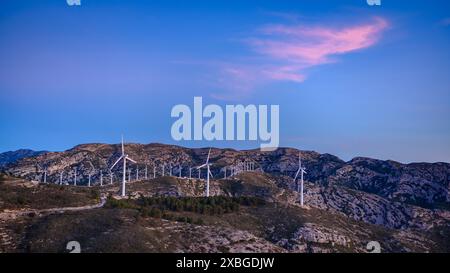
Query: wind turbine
point(154, 171)
point(190, 172)
point(60, 178)
point(179, 174)
point(208, 172)
point(163, 168)
point(137, 173)
point(45, 175)
point(110, 177)
point(75, 177)
point(124, 157)
point(101, 178)
point(146, 167)
point(301, 170)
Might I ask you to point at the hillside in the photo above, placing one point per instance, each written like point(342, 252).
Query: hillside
point(14, 156)
point(404, 207)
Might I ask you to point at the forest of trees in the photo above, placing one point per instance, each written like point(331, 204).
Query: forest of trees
point(215, 205)
point(159, 207)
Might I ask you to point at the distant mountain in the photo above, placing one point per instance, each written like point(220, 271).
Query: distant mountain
point(13, 156)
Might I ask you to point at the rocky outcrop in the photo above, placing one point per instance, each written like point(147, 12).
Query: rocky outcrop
point(14, 156)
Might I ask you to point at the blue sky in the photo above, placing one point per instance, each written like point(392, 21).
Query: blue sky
point(350, 79)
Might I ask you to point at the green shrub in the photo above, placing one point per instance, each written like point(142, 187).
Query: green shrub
point(199, 221)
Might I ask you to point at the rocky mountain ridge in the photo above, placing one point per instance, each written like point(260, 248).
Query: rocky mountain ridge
point(422, 184)
point(13, 156)
point(385, 193)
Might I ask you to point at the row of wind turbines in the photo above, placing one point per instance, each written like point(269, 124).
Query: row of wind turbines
point(233, 170)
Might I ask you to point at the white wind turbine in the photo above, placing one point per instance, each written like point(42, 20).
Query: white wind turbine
point(90, 173)
point(75, 177)
point(208, 172)
point(124, 157)
point(301, 170)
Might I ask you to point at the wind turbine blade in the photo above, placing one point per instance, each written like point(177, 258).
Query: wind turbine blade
point(116, 162)
point(201, 166)
point(130, 159)
point(304, 171)
point(207, 159)
point(123, 149)
point(210, 173)
point(296, 175)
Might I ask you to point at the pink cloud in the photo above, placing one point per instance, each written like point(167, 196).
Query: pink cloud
point(303, 47)
point(285, 52)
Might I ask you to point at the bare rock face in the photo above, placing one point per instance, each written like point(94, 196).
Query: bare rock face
point(215, 240)
point(420, 184)
point(311, 234)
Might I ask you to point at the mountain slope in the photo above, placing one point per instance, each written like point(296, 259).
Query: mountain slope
point(14, 156)
point(408, 204)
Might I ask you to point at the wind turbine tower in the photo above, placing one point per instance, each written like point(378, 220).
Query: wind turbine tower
point(124, 157)
point(45, 176)
point(75, 178)
point(208, 172)
point(301, 170)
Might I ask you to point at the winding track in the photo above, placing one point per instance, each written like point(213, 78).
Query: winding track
point(8, 215)
point(6, 241)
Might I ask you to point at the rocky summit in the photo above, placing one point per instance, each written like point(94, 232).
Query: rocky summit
point(403, 207)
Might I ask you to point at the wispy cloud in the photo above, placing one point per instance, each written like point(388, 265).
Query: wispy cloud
point(286, 52)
